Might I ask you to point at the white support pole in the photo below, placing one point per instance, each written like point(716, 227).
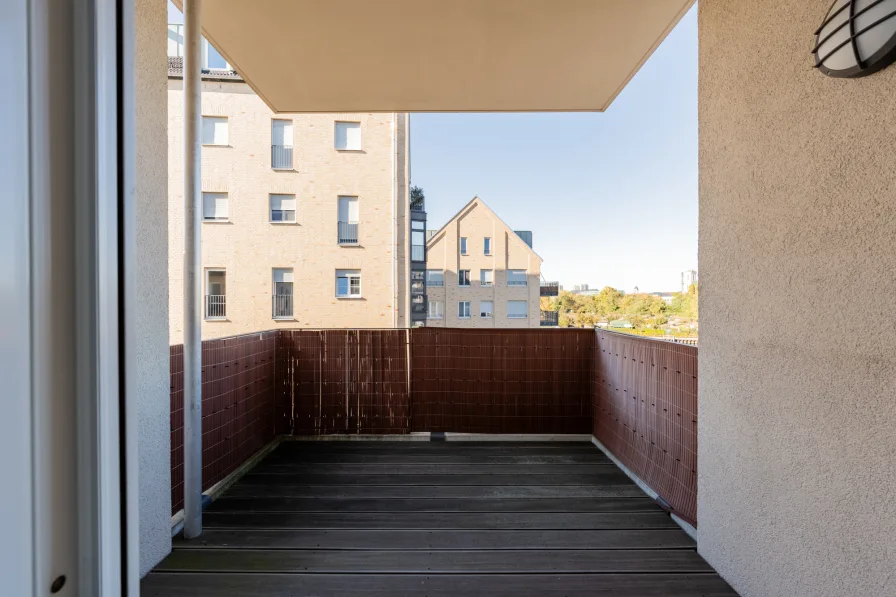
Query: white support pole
point(192, 269)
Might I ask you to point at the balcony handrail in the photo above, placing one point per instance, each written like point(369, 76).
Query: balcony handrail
point(347, 232)
point(281, 157)
point(215, 306)
point(281, 306)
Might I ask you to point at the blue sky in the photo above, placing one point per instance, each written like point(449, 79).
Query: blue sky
point(611, 198)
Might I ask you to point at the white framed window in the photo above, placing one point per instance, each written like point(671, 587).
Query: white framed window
point(215, 293)
point(281, 144)
point(463, 309)
point(214, 130)
point(487, 245)
point(283, 209)
point(348, 136)
point(486, 308)
point(463, 277)
point(463, 245)
point(215, 207)
point(486, 277)
point(435, 277)
point(211, 58)
point(348, 283)
point(516, 277)
point(435, 310)
point(517, 309)
point(282, 293)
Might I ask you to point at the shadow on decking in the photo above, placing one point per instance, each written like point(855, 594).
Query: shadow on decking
point(421, 518)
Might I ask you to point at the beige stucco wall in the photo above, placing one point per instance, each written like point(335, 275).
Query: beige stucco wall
point(797, 470)
point(151, 277)
point(249, 247)
point(476, 221)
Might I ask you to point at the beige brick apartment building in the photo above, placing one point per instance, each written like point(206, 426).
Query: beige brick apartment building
point(480, 273)
point(305, 216)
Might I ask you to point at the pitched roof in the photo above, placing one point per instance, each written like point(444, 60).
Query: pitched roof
point(483, 204)
point(176, 71)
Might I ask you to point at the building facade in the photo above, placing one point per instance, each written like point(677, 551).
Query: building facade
point(306, 217)
point(480, 273)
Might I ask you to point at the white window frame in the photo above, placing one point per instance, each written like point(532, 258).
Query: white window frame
point(460, 275)
point(356, 125)
point(486, 283)
point(212, 270)
point(351, 275)
point(463, 306)
point(209, 194)
point(491, 309)
point(487, 245)
point(291, 274)
point(525, 315)
point(435, 313)
point(215, 142)
point(295, 210)
point(205, 53)
point(463, 245)
point(524, 273)
point(433, 283)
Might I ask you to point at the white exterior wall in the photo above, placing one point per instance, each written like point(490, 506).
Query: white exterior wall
point(476, 221)
point(797, 458)
point(152, 358)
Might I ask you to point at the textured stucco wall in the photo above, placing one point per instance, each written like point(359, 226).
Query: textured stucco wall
point(797, 432)
point(477, 221)
point(152, 283)
point(249, 246)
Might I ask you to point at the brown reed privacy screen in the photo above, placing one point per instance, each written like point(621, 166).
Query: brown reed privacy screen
point(501, 381)
point(645, 413)
point(238, 416)
point(637, 396)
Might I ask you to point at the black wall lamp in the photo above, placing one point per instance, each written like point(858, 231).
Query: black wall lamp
point(857, 38)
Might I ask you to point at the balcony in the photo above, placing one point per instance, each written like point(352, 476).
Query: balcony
point(215, 306)
point(282, 306)
point(418, 253)
point(519, 517)
point(281, 157)
point(550, 318)
point(550, 288)
point(347, 233)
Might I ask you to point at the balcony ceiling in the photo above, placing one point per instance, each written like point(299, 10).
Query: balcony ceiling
point(438, 55)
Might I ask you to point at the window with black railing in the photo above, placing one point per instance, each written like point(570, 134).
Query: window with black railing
point(550, 318)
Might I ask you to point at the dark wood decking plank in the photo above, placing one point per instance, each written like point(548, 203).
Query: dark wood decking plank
point(449, 468)
point(594, 457)
point(555, 504)
point(439, 540)
point(419, 520)
point(610, 477)
point(289, 449)
point(447, 491)
point(384, 585)
point(435, 562)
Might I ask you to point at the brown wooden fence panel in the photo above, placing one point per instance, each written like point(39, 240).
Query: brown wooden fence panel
point(238, 406)
point(345, 381)
point(645, 413)
point(501, 381)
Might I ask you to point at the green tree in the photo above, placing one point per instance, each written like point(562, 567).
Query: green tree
point(417, 197)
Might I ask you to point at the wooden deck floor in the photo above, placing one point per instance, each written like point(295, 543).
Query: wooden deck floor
point(428, 518)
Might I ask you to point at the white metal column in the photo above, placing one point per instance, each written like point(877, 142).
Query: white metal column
point(192, 269)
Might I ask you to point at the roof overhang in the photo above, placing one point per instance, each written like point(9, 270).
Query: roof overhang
point(438, 55)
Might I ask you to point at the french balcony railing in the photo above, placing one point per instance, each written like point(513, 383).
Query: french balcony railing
point(550, 288)
point(418, 253)
point(550, 318)
point(348, 233)
point(215, 306)
point(282, 306)
point(281, 157)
